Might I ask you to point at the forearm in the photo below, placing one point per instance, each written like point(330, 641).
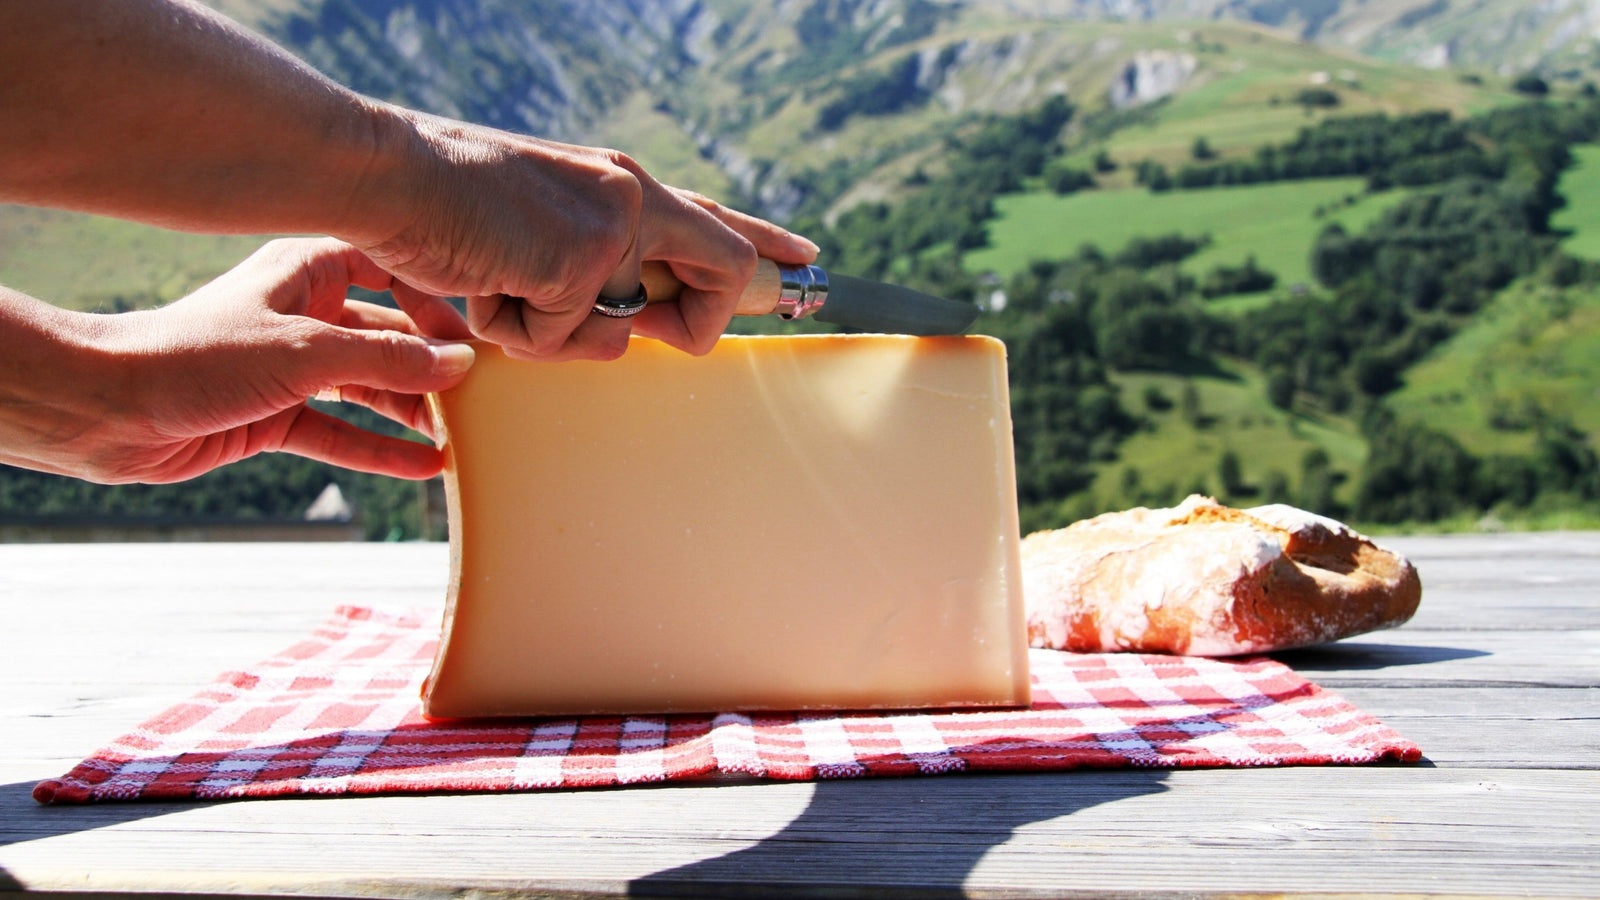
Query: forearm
point(164, 112)
point(54, 381)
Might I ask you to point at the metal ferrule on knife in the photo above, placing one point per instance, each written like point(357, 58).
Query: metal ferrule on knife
point(800, 292)
point(803, 291)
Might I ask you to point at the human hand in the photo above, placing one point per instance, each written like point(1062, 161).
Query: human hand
point(532, 232)
point(167, 394)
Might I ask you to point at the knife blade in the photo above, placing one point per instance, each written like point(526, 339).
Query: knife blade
point(796, 292)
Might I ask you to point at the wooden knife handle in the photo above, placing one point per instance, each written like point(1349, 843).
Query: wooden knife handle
point(760, 296)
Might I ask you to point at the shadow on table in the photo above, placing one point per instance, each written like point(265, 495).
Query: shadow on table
point(1357, 656)
point(921, 836)
point(21, 819)
point(913, 837)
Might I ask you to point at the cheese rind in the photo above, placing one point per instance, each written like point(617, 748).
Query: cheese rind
point(815, 522)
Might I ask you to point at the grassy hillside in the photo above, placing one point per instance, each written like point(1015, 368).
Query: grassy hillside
point(761, 105)
point(257, 13)
point(1243, 93)
point(743, 127)
point(1181, 451)
point(1506, 35)
point(1581, 217)
point(88, 262)
point(1534, 352)
point(1526, 361)
point(1276, 223)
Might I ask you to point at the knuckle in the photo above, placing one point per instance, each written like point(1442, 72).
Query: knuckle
point(701, 346)
point(623, 179)
point(413, 411)
point(396, 350)
point(744, 258)
point(698, 199)
point(608, 352)
point(626, 163)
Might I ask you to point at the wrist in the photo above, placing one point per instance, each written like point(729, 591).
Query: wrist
point(386, 197)
point(61, 382)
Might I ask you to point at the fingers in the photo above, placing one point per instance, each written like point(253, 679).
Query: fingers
point(435, 317)
point(694, 323)
point(372, 317)
point(525, 331)
point(713, 251)
point(564, 225)
point(410, 410)
point(332, 440)
point(771, 241)
point(312, 276)
point(420, 314)
point(387, 360)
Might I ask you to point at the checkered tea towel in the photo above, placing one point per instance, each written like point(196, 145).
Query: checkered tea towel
point(338, 713)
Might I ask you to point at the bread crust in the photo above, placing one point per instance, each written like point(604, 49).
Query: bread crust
point(1206, 579)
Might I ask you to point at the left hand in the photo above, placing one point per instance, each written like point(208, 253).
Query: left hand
point(531, 232)
point(168, 394)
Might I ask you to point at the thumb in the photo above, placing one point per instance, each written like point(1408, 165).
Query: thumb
point(391, 360)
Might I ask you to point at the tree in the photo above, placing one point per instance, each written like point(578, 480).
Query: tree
point(1201, 149)
point(1280, 388)
point(1316, 98)
point(1063, 179)
point(1155, 400)
point(1152, 175)
point(1189, 405)
point(1317, 483)
point(1275, 487)
point(1413, 473)
point(1225, 280)
point(1531, 84)
point(1230, 475)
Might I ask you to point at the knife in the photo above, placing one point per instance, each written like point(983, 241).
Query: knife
point(797, 292)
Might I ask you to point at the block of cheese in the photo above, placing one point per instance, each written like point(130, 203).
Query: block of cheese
point(787, 523)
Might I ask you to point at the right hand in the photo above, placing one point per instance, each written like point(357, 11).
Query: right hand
point(531, 232)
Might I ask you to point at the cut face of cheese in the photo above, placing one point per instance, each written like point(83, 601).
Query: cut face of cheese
point(788, 523)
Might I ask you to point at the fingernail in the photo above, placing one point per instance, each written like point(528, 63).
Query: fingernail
point(805, 244)
point(452, 359)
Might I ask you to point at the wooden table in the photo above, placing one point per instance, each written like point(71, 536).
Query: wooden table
point(1498, 678)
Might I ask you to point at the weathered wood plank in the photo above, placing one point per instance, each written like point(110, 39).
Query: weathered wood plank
point(1501, 728)
point(1496, 679)
point(1297, 830)
point(1481, 658)
point(1468, 580)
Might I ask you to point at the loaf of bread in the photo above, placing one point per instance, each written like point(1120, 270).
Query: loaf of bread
point(1205, 579)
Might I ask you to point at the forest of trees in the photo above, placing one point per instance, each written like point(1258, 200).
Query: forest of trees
point(1478, 217)
point(272, 486)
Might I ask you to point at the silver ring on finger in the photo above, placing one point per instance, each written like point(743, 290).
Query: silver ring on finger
point(625, 308)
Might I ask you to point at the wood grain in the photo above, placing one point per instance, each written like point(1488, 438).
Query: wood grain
point(1498, 678)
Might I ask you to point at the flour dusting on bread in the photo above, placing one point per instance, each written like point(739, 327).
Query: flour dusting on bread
point(1206, 579)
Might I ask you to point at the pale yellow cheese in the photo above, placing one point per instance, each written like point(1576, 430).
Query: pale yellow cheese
point(818, 522)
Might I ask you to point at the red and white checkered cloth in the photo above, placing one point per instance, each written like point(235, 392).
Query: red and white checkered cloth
point(338, 713)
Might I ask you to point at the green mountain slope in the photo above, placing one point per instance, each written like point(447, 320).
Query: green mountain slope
point(1398, 370)
point(1274, 223)
point(90, 262)
point(778, 109)
point(1531, 355)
